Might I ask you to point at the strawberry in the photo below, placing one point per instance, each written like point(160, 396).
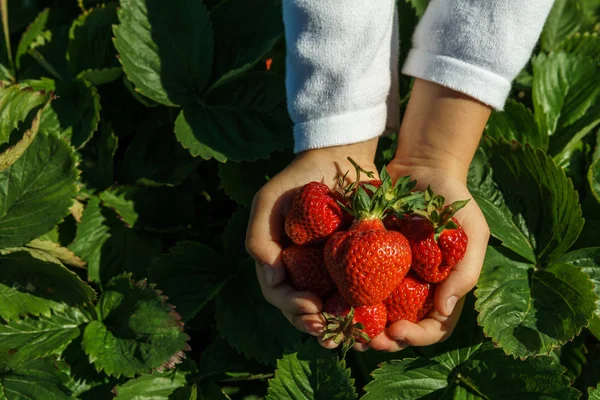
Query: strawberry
point(306, 271)
point(346, 324)
point(367, 261)
point(411, 300)
point(314, 215)
point(437, 240)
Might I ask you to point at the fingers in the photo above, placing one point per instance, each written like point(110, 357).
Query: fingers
point(313, 324)
point(265, 228)
point(286, 298)
point(384, 342)
point(465, 274)
point(436, 328)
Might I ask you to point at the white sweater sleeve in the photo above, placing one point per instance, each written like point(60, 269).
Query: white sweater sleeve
point(341, 58)
point(476, 47)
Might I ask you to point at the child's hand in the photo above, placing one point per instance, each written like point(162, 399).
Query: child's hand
point(266, 226)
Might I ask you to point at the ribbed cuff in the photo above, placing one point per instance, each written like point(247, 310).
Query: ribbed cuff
point(481, 84)
point(352, 127)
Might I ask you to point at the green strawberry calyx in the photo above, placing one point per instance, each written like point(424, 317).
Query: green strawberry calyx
point(384, 198)
point(343, 330)
point(434, 211)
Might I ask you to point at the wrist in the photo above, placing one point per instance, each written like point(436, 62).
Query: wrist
point(441, 130)
point(362, 152)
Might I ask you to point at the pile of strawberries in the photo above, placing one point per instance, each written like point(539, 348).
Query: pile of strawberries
point(372, 251)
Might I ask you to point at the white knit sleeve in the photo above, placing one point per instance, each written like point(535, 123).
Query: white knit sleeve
point(338, 69)
point(476, 47)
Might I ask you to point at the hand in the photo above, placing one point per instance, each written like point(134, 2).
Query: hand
point(266, 226)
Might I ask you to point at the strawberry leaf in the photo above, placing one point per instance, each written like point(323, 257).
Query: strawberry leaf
point(529, 310)
point(242, 309)
point(564, 19)
point(237, 119)
point(36, 191)
point(110, 248)
point(138, 332)
point(516, 122)
point(97, 166)
point(30, 338)
point(589, 261)
point(191, 274)
point(29, 286)
point(594, 179)
point(166, 48)
point(74, 114)
point(31, 33)
point(254, 175)
point(154, 156)
point(583, 44)
point(18, 107)
point(311, 373)
point(566, 105)
point(528, 202)
point(594, 393)
point(90, 45)
point(468, 366)
point(34, 380)
point(241, 48)
point(157, 386)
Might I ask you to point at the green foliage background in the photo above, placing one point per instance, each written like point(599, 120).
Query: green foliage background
point(133, 136)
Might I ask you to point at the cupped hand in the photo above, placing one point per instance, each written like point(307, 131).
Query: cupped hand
point(266, 237)
point(449, 295)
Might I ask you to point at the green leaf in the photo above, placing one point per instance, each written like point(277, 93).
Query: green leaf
point(157, 209)
point(74, 114)
point(241, 308)
point(157, 386)
point(573, 357)
point(589, 261)
point(34, 380)
point(207, 390)
point(30, 338)
point(18, 109)
point(467, 366)
point(529, 203)
point(36, 191)
point(529, 310)
point(585, 44)
point(154, 155)
point(565, 103)
point(97, 164)
point(242, 119)
point(594, 179)
point(564, 20)
point(516, 122)
point(21, 122)
point(219, 361)
point(34, 30)
point(251, 38)
point(47, 250)
point(166, 48)
point(234, 236)
point(254, 175)
point(138, 332)
point(191, 274)
point(90, 45)
point(109, 247)
point(101, 76)
point(594, 394)
point(311, 373)
point(50, 51)
point(419, 5)
point(34, 287)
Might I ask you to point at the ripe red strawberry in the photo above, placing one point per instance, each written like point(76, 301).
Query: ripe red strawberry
point(314, 215)
point(305, 267)
point(437, 241)
point(411, 300)
point(367, 261)
point(365, 323)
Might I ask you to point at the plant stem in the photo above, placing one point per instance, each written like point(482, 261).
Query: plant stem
point(4, 12)
point(45, 64)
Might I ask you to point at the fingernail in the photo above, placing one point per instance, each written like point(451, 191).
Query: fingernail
point(269, 274)
point(450, 304)
point(313, 329)
point(399, 338)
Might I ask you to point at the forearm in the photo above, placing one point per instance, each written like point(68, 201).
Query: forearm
point(441, 129)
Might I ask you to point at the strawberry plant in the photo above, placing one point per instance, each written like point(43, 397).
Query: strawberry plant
point(133, 136)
